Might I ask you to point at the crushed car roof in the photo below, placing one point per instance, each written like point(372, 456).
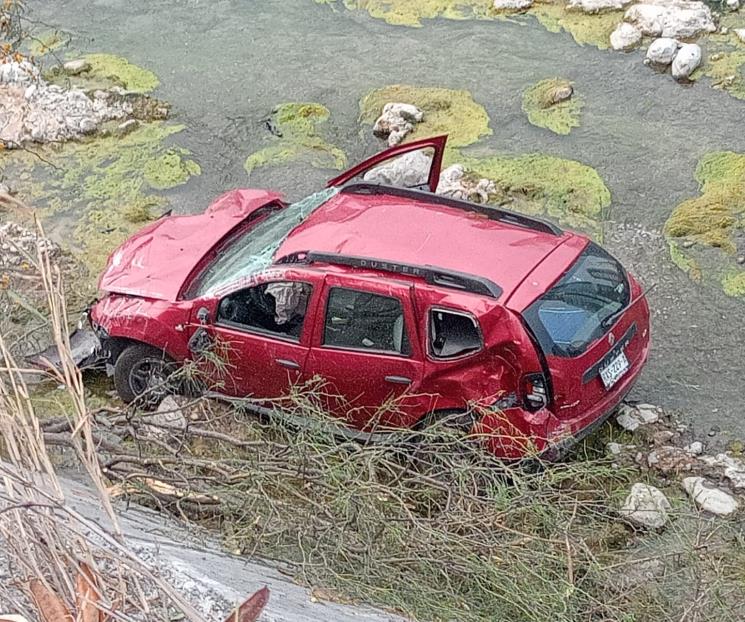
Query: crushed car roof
point(413, 230)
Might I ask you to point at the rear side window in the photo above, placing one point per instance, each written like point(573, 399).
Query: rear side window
point(363, 321)
point(582, 306)
point(452, 334)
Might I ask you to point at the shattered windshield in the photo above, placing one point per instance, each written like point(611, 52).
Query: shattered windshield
point(253, 248)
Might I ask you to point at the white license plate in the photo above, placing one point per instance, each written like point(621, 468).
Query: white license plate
point(612, 372)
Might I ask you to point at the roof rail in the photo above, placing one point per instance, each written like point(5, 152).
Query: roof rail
point(431, 274)
point(491, 212)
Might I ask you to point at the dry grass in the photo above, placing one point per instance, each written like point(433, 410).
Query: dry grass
point(46, 542)
point(432, 526)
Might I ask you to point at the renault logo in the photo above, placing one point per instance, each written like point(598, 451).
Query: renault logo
point(611, 338)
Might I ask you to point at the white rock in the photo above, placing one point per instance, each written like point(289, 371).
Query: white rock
point(732, 468)
point(406, 171)
point(512, 5)
point(662, 51)
point(22, 73)
point(408, 112)
point(696, 448)
point(740, 32)
point(168, 414)
point(74, 67)
point(733, 5)
point(87, 126)
point(671, 18)
point(648, 413)
point(17, 243)
point(686, 61)
point(630, 418)
point(455, 183)
point(597, 6)
point(625, 37)
point(560, 94)
point(614, 448)
point(646, 506)
point(708, 497)
point(397, 121)
point(33, 110)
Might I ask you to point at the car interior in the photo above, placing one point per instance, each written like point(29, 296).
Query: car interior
point(257, 308)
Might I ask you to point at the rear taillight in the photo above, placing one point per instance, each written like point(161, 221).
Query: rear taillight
point(534, 391)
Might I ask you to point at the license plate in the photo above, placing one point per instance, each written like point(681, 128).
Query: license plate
point(612, 372)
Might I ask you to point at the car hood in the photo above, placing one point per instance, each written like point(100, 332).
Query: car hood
point(157, 260)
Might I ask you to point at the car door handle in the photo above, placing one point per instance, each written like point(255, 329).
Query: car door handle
point(398, 379)
point(287, 363)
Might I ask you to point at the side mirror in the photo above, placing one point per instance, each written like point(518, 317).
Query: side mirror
point(203, 315)
point(200, 341)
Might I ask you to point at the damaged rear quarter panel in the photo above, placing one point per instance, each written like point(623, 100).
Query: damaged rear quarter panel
point(481, 377)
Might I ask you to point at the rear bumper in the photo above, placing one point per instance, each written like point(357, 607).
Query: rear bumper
point(559, 448)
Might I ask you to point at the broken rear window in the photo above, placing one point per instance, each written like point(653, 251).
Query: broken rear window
point(252, 249)
point(581, 306)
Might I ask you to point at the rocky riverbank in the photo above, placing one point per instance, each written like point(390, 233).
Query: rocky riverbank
point(687, 28)
point(32, 110)
point(85, 144)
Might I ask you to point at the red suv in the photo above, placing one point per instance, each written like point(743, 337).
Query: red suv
point(410, 305)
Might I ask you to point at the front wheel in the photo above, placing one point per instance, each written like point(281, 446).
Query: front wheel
point(144, 373)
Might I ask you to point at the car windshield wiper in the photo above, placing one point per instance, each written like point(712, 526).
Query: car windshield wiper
point(614, 316)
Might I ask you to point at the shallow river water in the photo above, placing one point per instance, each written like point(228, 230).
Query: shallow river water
point(223, 64)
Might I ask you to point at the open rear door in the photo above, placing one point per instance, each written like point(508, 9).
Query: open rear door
point(411, 165)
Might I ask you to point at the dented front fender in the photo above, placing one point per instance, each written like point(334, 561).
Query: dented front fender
point(159, 323)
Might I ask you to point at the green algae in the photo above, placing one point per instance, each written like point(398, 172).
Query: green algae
point(585, 29)
point(107, 70)
point(412, 12)
point(446, 111)
point(171, 169)
point(542, 110)
point(687, 264)
point(726, 72)
point(565, 190)
point(733, 283)
point(712, 218)
point(93, 194)
point(542, 185)
point(298, 126)
point(702, 230)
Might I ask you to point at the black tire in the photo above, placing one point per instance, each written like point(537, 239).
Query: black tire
point(140, 374)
